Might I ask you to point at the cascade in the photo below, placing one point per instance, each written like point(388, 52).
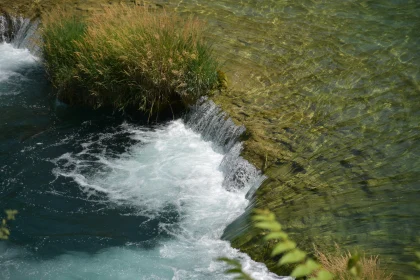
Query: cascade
point(19, 31)
point(208, 119)
point(213, 124)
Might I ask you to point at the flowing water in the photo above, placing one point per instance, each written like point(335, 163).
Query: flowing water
point(102, 196)
point(331, 93)
point(335, 85)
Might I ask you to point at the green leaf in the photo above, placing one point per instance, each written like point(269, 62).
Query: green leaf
point(353, 261)
point(236, 269)
point(355, 270)
point(233, 271)
point(267, 217)
point(11, 214)
point(300, 271)
point(312, 264)
point(324, 275)
point(262, 211)
point(259, 218)
point(6, 231)
point(418, 254)
point(276, 235)
point(273, 226)
point(243, 277)
point(305, 269)
point(293, 256)
point(283, 246)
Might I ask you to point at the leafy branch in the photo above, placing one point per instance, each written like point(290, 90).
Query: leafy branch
point(235, 269)
point(4, 229)
point(306, 267)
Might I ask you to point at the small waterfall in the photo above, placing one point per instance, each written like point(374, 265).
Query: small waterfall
point(3, 28)
point(19, 31)
point(239, 173)
point(214, 125)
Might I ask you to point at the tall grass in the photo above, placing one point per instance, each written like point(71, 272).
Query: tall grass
point(60, 33)
point(128, 57)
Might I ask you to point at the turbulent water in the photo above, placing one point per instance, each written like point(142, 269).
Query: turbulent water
point(101, 196)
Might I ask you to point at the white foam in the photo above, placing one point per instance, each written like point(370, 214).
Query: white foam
point(12, 59)
point(172, 166)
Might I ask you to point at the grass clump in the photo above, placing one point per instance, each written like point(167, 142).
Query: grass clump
point(337, 264)
point(128, 57)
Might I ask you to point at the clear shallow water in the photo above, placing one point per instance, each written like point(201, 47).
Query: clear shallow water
point(333, 89)
point(104, 197)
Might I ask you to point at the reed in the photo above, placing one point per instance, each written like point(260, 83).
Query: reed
point(128, 57)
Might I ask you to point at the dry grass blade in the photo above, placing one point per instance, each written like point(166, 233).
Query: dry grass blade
point(337, 262)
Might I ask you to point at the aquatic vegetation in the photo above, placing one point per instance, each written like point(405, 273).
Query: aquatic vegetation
point(128, 57)
point(330, 102)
